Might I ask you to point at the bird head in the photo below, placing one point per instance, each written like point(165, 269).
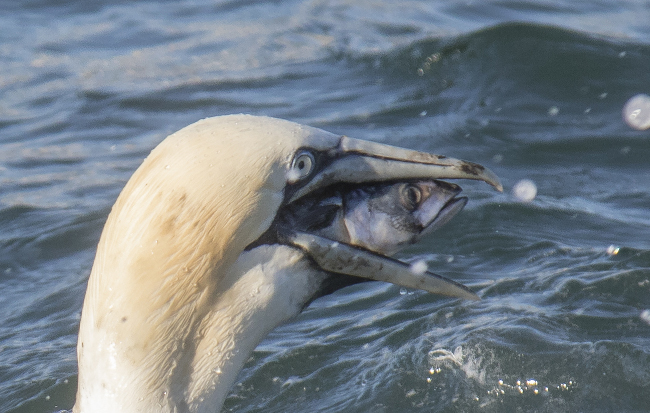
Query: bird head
point(205, 197)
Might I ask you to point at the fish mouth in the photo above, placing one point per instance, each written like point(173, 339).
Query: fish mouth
point(450, 210)
point(435, 216)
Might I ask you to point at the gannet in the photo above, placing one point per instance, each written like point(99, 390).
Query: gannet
point(196, 263)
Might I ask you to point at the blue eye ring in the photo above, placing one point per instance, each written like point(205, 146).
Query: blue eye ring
point(302, 165)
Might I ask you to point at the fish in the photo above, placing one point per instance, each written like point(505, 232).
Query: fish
point(382, 218)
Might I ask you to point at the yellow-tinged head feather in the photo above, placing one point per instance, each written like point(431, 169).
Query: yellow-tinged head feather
point(185, 216)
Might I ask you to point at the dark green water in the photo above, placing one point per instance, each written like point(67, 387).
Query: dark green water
point(533, 90)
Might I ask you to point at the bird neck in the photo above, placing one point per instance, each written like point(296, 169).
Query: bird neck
point(192, 362)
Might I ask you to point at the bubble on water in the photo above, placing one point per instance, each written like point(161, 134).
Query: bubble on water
point(553, 110)
point(613, 250)
point(419, 267)
point(636, 112)
point(525, 190)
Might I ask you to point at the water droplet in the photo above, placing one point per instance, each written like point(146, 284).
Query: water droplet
point(292, 175)
point(525, 190)
point(636, 112)
point(403, 291)
point(645, 316)
point(419, 267)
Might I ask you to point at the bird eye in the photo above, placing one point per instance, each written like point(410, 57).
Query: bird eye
point(411, 197)
point(302, 165)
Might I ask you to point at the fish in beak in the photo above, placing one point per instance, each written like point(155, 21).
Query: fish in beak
point(348, 208)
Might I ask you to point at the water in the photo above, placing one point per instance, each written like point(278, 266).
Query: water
point(534, 90)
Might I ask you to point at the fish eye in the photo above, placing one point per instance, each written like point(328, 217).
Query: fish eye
point(411, 196)
point(302, 165)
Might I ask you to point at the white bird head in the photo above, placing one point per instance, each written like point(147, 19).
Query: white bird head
point(191, 273)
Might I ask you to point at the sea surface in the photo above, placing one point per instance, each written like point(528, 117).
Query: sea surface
point(534, 90)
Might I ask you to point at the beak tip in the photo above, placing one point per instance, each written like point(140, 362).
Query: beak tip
point(492, 179)
point(469, 295)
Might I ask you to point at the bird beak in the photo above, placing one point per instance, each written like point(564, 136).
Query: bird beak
point(362, 162)
point(359, 161)
point(346, 259)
